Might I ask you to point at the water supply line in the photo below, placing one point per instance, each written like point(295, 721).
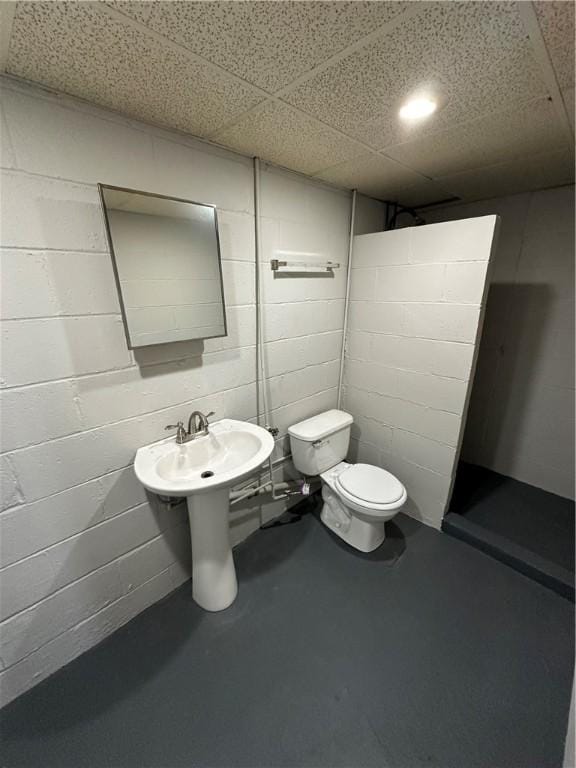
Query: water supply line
point(261, 378)
point(347, 299)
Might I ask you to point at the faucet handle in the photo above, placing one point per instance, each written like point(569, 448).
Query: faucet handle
point(181, 434)
point(212, 413)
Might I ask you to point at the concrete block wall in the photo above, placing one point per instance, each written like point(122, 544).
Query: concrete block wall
point(416, 302)
point(370, 215)
point(303, 313)
point(83, 549)
point(521, 417)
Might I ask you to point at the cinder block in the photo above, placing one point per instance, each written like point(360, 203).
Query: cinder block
point(50, 283)
point(153, 557)
point(373, 432)
point(59, 464)
point(437, 392)
point(238, 283)
point(32, 527)
point(39, 212)
point(373, 251)
point(83, 283)
point(241, 327)
point(303, 383)
point(63, 347)
point(412, 417)
point(26, 289)
point(423, 282)
point(203, 175)
point(35, 578)
point(120, 491)
point(424, 452)
point(34, 414)
point(465, 282)
point(465, 240)
point(443, 322)
point(359, 345)
point(34, 668)
point(93, 149)
point(29, 630)
point(377, 317)
point(284, 321)
point(236, 235)
point(11, 494)
point(288, 197)
point(363, 284)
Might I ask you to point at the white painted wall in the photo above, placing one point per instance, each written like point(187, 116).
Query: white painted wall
point(521, 418)
point(417, 296)
point(82, 548)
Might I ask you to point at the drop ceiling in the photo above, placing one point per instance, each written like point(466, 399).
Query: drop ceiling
point(316, 86)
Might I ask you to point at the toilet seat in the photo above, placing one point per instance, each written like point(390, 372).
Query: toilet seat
point(366, 510)
point(369, 485)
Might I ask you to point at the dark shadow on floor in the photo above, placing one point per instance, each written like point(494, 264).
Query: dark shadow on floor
point(538, 521)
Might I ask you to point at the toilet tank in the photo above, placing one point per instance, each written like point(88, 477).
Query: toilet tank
point(320, 442)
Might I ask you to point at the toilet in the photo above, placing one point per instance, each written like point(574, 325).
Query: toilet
point(358, 498)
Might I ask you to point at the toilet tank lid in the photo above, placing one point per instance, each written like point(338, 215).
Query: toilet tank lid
point(320, 426)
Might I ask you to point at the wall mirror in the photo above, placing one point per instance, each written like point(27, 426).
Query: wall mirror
point(166, 256)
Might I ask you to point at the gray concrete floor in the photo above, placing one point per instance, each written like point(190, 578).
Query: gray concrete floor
point(424, 653)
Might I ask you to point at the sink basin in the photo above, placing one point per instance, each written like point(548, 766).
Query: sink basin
point(231, 451)
point(203, 470)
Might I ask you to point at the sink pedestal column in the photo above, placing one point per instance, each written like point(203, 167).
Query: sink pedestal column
point(214, 585)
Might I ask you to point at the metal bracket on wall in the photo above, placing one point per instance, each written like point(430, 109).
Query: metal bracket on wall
point(303, 266)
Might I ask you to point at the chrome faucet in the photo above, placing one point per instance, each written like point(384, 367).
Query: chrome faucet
point(198, 424)
point(197, 427)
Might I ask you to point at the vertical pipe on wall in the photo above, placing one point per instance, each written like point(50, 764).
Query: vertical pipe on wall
point(261, 379)
point(260, 364)
point(347, 300)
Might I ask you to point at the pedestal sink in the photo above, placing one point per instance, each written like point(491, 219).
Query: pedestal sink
point(203, 470)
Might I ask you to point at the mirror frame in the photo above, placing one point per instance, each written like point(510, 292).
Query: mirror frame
point(101, 188)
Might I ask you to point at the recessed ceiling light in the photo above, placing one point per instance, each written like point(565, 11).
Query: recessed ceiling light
point(417, 108)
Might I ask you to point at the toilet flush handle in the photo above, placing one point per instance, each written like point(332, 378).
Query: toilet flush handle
point(318, 443)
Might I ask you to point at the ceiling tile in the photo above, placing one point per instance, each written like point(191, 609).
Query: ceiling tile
point(520, 175)
point(556, 19)
point(473, 56)
point(269, 44)
point(282, 135)
point(531, 128)
point(384, 179)
point(139, 11)
point(79, 49)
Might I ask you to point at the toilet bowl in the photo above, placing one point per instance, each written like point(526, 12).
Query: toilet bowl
point(358, 498)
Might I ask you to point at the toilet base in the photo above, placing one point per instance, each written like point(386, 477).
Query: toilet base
point(360, 534)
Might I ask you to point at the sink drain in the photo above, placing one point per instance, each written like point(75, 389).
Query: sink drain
point(207, 474)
